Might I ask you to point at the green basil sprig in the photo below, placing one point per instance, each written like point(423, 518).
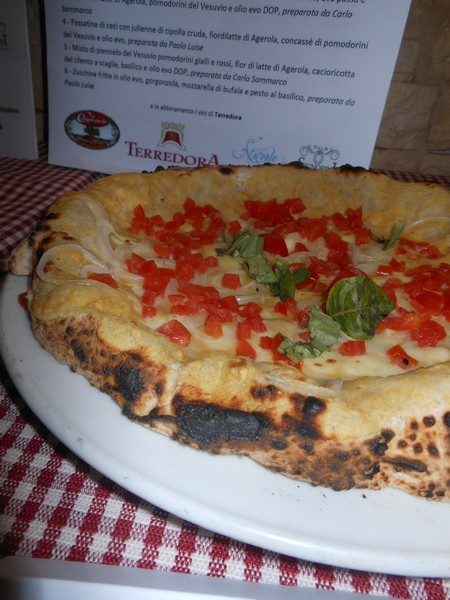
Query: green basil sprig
point(355, 305)
point(388, 243)
point(278, 277)
point(324, 333)
point(358, 304)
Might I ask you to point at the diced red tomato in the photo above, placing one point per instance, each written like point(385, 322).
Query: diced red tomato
point(163, 250)
point(299, 247)
point(250, 309)
point(194, 290)
point(244, 348)
point(429, 333)
point(338, 257)
point(256, 323)
point(234, 227)
point(184, 271)
point(213, 328)
point(269, 213)
point(428, 302)
point(312, 229)
point(399, 358)
point(189, 307)
point(446, 309)
point(268, 343)
point(333, 241)
point(420, 248)
point(176, 332)
point(390, 286)
point(296, 205)
point(404, 322)
point(176, 298)
point(353, 348)
point(243, 330)
point(134, 264)
point(104, 278)
point(148, 311)
point(229, 302)
point(275, 244)
point(231, 281)
point(362, 236)
point(352, 220)
point(348, 271)
point(319, 267)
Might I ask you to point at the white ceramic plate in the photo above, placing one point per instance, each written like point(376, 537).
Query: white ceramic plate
point(387, 531)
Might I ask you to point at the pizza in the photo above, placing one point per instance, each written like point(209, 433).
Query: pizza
point(298, 317)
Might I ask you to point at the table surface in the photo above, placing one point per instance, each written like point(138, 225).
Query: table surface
point(55, 506)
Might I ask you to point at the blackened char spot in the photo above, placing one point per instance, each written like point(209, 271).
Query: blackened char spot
point(351, 169)
point(261, 392)
point(207, 425)
point(159, 388)
point(78, 350)
point(129, 382)
point(305, 429)
point(278, 444)
point(41, 226)
point(387, 434)
point(405, 464)
point(378, 447)
point(46, 240)
point(298, 164)
point(50, 216)
point(313, 406)
point(226, 170)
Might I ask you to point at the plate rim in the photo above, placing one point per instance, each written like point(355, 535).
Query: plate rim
point(342, 555)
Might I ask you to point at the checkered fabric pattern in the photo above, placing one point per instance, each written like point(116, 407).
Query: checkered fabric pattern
point(55, 506)
point(27, 188)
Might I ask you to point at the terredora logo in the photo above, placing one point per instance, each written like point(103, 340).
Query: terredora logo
point(172, 133)
point(91, 129)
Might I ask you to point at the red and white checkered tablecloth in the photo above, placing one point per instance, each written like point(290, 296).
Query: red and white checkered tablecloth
point(55, 506)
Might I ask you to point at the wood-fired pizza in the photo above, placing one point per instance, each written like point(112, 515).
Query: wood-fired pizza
point(298, 317)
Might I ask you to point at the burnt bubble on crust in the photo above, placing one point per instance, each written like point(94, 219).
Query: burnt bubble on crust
point(447, 419)
point(351, 169)
point(208, 425)
point(226, 170)
point(404, 464)
point(264, 392)
point(130, 383)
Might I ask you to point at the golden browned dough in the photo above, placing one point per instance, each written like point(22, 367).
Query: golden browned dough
point(371, 432)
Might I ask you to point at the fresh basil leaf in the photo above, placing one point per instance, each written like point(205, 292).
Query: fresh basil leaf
point(246, 245)
point(287, 280)
point(260, 270)
point(358, 304)
point(324, 331)
point(296, 352)
point(323, 328)
point(301, 275)
point(279, 278)
point(399, 227)
point(388, 243)
point(284, 285)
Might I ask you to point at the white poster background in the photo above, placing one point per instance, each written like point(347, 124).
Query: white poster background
point(17, 119)
point(138, 84)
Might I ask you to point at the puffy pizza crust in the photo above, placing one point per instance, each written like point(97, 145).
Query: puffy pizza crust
point(369, 433)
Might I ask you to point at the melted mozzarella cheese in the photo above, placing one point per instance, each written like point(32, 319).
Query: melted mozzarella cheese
point(330, 366)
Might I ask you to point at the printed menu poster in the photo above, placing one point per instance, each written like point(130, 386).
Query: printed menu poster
point(18, 137)
point(140, 84)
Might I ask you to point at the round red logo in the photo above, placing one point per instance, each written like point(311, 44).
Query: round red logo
point(91, 129)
